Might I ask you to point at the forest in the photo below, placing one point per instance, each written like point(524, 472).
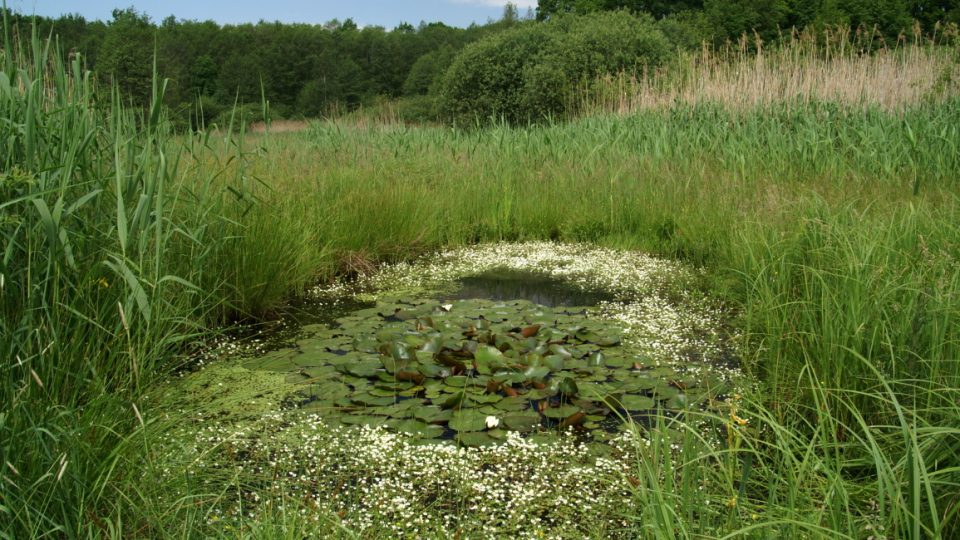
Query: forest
point(311, 71)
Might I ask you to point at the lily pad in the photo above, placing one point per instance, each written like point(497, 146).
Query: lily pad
point(420, 429)
point(514, 404)
point(365, 420)
point(468, 420)
point(432, 414)
point(521, 421)
point(562, 411)
point(364, 368)
point(474, 439)
point(633, 402)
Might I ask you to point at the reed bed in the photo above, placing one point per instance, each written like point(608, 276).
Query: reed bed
point(832, 66)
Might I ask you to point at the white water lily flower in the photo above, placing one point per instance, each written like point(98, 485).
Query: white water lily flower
point(492, 422)
point(446, 307)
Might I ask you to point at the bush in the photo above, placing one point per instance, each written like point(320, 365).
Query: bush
point(531, 72)
point(206, 111)
point(427, 71)
point(686, 30)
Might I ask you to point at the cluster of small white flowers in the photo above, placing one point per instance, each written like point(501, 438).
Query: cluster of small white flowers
point(624, 274)
point(666, 332)
point(660, 315)
point(379, 482)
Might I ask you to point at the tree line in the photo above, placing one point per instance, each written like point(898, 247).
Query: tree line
point(308, 70)
point(303, 69)
point(718, 20)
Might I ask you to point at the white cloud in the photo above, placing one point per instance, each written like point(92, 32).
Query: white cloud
point(522, 4)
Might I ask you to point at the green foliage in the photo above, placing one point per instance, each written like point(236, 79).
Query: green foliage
point(426, 73)
point(657, 8)
point(687, 30)
point(88, 311)
point(529, 73)
point(337, 67)
point(729, 19)
point(126, 54)
point(732, 18)
point(305, 70)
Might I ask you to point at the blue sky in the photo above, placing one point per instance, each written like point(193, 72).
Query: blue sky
point(387, 13)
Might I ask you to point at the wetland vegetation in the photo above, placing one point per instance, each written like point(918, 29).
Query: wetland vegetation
point(663, 316)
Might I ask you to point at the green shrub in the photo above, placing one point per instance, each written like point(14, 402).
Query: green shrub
point(428, 71)
point(531, 72)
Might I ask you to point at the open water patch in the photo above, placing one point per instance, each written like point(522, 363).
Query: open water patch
point(539, 288)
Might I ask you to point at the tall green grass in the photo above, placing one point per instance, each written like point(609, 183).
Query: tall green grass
point(92, 310)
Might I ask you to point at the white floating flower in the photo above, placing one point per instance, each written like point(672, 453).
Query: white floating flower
point(492, 422)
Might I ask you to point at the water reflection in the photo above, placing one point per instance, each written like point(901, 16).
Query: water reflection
point(543, 289)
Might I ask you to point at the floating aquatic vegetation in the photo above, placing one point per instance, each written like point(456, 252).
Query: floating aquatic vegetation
point(471, 370)
point(379, 483)
point(655, 301)
point(624, 274)
point(482, 387)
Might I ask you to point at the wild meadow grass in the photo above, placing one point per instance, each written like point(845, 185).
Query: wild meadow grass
point(829, 230)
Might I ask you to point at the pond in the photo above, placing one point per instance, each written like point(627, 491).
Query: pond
point(476, 366)
point(535, 340)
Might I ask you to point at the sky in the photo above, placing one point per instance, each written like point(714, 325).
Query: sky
point(386, 13)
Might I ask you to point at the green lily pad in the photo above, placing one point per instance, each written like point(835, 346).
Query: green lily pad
point(364, 368)
point(454, 401)
point(521, 421)
point(565, 385)
point(487, 359)
point(329, 390)
point(616, 361)
point(665, 391)
point(608, 341)
point(517, 403)
point(373, 401)
point(365, 420)
point(597, 359)
point(497, 434)
point(468, 420)
point(562, 411)
point(678, 401)
point(432, 414)
point(543, 437)
point(456, 381)
point(433, 371)
point(474, 439)
point(554, 362)
point(420, 429)
point(636, 383)
point(633, 402)
point(535, 373)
